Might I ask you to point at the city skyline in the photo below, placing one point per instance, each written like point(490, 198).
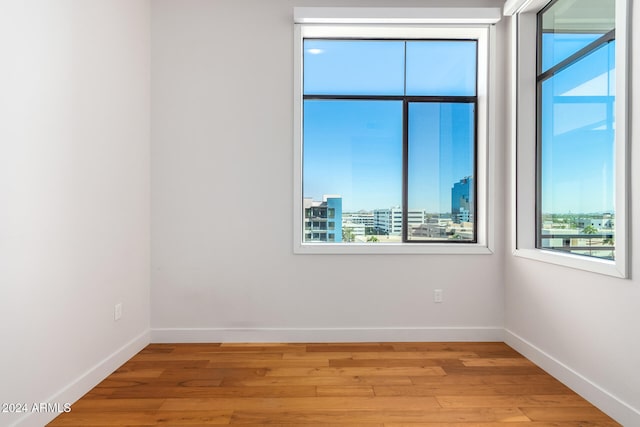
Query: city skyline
point(452, 204)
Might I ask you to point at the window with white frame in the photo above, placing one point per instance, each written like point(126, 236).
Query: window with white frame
point(391, 138)
point(571, 160)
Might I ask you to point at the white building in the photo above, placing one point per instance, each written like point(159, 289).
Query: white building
point(389, 221)
point(364, 218)
point(354, 228)
point(599, 223)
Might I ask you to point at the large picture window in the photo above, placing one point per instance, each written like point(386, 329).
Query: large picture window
point(392, 138)
point(389, 133)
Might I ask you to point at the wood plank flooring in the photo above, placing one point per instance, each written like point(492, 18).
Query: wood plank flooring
point(356, 385)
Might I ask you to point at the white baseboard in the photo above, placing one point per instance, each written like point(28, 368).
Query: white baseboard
point(620, 411)
point(78, 388)
point(298, 335)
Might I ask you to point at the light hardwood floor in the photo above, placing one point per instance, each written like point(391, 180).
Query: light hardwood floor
point(360, 384)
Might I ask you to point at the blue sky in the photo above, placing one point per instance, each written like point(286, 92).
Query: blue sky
point(354, 148)
point(440, 153)
point(578, 132)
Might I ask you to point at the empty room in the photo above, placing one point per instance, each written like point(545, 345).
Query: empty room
point(319, 213)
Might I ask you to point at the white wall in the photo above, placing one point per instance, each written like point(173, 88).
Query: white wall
point(222, 174)
point(580, 326)
point(74, 195)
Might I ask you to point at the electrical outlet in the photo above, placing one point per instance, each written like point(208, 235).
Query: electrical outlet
point(437, 295)
point(117, 311)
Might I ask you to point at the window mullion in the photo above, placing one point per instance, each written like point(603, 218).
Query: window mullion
point(591, 47)
point(405, 156)
point(405, 170)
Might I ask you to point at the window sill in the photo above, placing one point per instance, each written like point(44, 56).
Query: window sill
point(579, 262)
point(393, 249)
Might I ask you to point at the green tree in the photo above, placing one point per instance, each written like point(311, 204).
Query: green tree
point(609, 241)
point(372, 239)
point(590, 230)
point(347, 235)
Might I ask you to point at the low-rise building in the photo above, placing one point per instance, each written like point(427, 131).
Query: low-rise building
point(389, 221)
point(323, 220)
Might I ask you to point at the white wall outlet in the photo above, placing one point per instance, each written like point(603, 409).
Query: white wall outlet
point(117, 311)
point(437, 295)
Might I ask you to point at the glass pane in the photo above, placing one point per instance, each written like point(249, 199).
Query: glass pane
point(441, 168)
point(569, 25)
point(577, 165)
point(441, 68)
point(353, 67)
point(353, 151)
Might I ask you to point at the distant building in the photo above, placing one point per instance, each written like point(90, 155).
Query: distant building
point(389, 221)
point(355, 224)
point(435, 228)
point(442, 229)
point(323, 220)
point(415, 217)
point(363, 218)
point(605, 222)
point(462, 201)
point(355, 229)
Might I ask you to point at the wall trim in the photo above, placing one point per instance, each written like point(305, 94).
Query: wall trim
point(297, 335)
point(617, 409)
point(85, 382)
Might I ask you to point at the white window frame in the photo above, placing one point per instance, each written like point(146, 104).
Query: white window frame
point(523, 140)
point(405, 23)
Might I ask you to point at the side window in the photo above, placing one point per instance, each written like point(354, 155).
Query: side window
point(576, 128)
point(571, 179)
